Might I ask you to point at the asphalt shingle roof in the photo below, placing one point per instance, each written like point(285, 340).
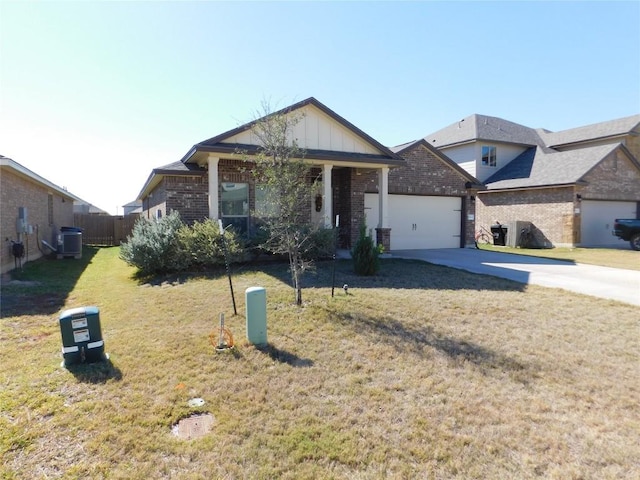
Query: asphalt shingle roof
point(483, 127)
point(178, 167)
point(612, 128)
point(535, 168)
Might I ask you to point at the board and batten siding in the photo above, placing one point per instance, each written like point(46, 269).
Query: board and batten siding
point(315, 130)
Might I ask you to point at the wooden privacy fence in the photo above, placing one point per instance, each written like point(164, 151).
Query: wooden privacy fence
point(103, 229)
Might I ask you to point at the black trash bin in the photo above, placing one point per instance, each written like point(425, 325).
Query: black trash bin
point(499, 233)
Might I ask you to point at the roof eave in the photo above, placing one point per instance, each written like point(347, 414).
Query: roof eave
point(588, 140)
point(23, 171)
point(323, 155)
point(535, 187)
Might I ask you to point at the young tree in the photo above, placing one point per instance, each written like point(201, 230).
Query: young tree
point(285, 184)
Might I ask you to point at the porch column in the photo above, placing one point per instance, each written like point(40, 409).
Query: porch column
point(383, 232)
point(213, 186)
point(383, 197)
point(327, 196)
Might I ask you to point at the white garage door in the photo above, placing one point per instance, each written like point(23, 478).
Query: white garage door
point(597, 221)
point(418, 222)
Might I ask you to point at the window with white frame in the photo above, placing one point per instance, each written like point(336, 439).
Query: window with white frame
point(488, 156)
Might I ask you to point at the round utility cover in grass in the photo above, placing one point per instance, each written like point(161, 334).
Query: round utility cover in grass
point(196, 402)
point(194, 426)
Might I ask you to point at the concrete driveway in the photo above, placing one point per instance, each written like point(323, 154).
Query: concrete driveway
point(604, 282)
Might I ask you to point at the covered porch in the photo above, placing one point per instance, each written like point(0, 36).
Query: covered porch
point(338, 200)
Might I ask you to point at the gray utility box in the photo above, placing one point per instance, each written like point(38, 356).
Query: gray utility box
point(81, 336)
point(514, 231)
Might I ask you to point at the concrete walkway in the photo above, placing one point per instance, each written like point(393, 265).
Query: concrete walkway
point(604, 282)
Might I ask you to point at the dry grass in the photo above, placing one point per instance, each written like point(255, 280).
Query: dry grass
point(416, 373)
point(606, 257)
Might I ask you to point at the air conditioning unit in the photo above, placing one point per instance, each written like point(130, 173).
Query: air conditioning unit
point(70, 244)
point(514, 231)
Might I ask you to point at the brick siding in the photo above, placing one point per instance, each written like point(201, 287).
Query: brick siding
point(555, 211)
point(614, 178)
point(188, 195)
point(426, 174)
point(632, 142)
point(156, 201)
point(551, 210)
point(17, 191)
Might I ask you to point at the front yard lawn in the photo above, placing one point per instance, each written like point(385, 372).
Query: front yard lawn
point(420, 372)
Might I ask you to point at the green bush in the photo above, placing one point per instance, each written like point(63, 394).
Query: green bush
point(153, 246)
point(168, 245)
point(365, 254)
point(322, 244)
point(319, 245)
point(202, 244)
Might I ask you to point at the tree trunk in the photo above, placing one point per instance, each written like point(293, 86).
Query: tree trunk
point(294, 264)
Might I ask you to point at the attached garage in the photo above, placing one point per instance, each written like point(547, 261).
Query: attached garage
point(597, 221)
point(419, 222)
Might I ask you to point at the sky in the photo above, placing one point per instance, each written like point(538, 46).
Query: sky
point(95, 95)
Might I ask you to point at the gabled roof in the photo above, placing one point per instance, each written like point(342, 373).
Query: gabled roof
point(174, 168)
point(23, 171)
point(482, 127)
point(536, 168)
point(226, 144)
point(611, 129)
point(473, 182)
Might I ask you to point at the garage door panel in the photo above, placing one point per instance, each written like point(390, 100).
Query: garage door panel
point(419, 221)
point(597, 221)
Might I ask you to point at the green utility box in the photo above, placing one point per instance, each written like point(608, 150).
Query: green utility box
point(81, 336)
point(256, 305)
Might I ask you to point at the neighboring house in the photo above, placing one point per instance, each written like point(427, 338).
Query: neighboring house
point(85, 208)
point(32, 209)
point(358, 179)
point(570, 185)
point(132, 208)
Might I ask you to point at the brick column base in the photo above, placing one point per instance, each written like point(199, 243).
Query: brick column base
point(383, 237)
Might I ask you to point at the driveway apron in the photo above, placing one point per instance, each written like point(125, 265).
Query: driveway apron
point(603, 282)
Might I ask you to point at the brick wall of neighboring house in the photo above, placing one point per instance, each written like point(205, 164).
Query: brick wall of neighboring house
point(614, 178)
point(551, 210)
point(47, 211)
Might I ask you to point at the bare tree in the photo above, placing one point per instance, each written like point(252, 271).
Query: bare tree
point(284, 183)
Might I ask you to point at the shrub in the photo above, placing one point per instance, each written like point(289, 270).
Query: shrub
point(318, 246)
point(153, 245)
point(202, 245)
point(322, 244)
point(365, 254)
